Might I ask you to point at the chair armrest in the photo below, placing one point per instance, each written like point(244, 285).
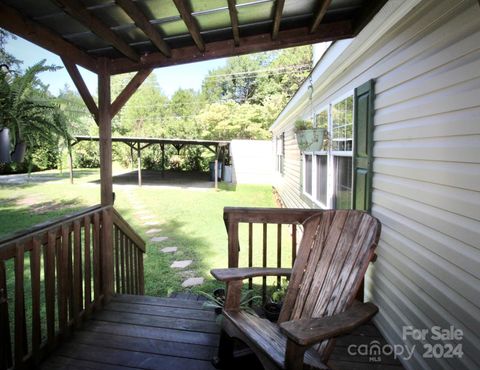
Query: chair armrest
point(306, 332)
point(232, 274)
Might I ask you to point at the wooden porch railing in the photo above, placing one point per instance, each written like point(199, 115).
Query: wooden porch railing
point(53, 276)
point(250, 237)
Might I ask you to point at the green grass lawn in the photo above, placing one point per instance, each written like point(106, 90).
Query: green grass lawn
point(191, 219)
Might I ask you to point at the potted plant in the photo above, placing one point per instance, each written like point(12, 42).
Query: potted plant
point(217, 301)
point(309, 138)
point(274, 306)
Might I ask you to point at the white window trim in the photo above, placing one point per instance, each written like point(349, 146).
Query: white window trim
point(330, 160)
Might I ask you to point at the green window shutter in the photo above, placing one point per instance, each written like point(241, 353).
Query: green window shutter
point(363, 146)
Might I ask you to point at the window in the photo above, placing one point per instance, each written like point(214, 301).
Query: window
point(308, 174)
point(279, 153)
point(321, 163)
point(328, 173)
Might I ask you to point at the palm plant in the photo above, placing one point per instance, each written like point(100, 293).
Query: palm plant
point(27, 111)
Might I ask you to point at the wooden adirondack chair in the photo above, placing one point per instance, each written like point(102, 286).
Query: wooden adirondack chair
point(319, 305)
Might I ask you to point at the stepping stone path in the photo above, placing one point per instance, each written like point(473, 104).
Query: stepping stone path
point(143, 213)
point(152, 223)
point(180, 264)
point(158, 239)
point(153, 231)
point(169, 250)
point(192, 282)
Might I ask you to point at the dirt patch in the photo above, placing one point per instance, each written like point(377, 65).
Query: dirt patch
point(38, 205)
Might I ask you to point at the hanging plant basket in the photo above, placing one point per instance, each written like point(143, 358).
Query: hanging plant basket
point(310, 140)
point(5, 145)
point(18, 155)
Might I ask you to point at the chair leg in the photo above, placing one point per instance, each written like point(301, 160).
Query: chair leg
point(224, 357)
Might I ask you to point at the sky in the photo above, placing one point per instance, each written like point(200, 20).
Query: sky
point(170, 78)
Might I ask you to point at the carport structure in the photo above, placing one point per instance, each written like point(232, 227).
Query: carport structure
point(82, 268)
point(217, 147)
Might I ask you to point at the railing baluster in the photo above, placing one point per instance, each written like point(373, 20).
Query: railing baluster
point(250, 252)
point(264, 279)
point(127, 265)
point(49, 278)
point(87, 264)
point(77, 273)
point(130, 267)
point(5, 337)
point(62, 268)
point(96, 260)
point(141, 282)
point(35, 282)
point(70, 280)
point(117, 262)
point(279, 250)
point(21, 343)
point(122, 262)
point(294, 243)
point(135, 268)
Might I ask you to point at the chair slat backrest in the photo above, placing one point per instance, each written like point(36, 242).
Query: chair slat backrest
point(332, 259)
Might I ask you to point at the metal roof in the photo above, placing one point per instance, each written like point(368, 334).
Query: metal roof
point(138, 34)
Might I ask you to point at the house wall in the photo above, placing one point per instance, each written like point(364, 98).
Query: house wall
point(251, 161)
point(426, 183)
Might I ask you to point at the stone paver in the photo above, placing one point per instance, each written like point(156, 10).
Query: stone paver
point(158, 239)
point(169, 250)
point(153, 231)
point(152, 223)
point(192, 282)
point(180, 264)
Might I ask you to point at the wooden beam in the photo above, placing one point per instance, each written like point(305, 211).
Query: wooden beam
point(13, 21)
point(250, 44)
point(129, 90)
point(81, 87)
point(79, 12)
point(321, 11)
point(232, 9)
point(277, 18)
point(144, 24)
point(191, 23)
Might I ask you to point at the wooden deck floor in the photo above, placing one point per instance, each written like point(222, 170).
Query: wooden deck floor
point(171, 334)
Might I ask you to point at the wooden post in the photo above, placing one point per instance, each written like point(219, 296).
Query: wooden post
point(216, 173)
point(70, 163)
point(139, 164)
point(106, 189)
point(162, 146)
point(131, 158)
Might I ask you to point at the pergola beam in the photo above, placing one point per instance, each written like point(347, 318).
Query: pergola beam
point(191, 23)
point(250, 44)
point(15, 22)
point(81, 87)
point(277, 18)
point(76, 10)
point(321, 11)
point(232, 9)
point(129, 90)
point(144, 24)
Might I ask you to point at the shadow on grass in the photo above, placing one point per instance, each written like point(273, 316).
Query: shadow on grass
point(21, 213)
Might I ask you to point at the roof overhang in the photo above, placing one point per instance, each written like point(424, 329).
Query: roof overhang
point(140, 34)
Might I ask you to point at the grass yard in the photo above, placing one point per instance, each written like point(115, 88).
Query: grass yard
point(191, 219)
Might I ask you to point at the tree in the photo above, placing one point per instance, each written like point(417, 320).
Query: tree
point(7, 60)
point(30, 113)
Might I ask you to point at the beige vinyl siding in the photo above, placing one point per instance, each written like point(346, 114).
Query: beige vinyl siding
point(426, 183)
